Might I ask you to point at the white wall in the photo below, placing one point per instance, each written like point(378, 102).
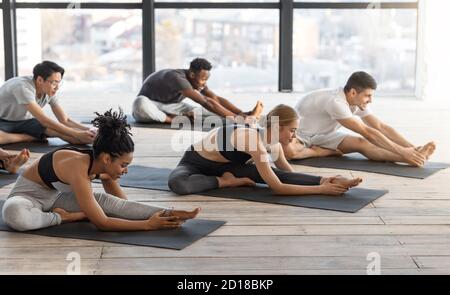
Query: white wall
point(434, 51)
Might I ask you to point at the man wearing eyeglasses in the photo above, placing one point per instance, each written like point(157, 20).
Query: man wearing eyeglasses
point(21, 116)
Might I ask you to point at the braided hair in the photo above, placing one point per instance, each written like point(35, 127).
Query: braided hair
point(113, 136)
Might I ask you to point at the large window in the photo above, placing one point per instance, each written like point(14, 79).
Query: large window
point(81, 1)
point(330, 44)
point(108, 46)
point(241, 44)
point(100, 49)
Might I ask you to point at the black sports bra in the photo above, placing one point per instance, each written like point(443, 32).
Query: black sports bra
point(47, 172)
point(226, 149)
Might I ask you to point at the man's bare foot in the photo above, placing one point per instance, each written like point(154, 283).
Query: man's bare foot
point(257, 110)
point(190, 115)
point(69, 216)
point(346, 182)
point(13, 163)
point(184, 215)
point(427, 150)
point(229, 180)
point(169, 119)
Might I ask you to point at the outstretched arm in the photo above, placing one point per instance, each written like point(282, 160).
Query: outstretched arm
point(62, 117)
point(387, 130)
point(83, 191)
point(112, 186)
point(223, 101)
point(83, 136)
point(208, 103)
point(279, 158)
point(377, 138)
point(261, 160)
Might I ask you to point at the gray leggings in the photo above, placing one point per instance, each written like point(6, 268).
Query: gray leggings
point(29, 206)
point(195, 174)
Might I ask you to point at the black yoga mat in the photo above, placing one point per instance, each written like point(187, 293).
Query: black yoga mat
point(6, 178)
point(207, 124)
point(146, 177)
point(191, 231)
point(351, 201)
point(358, 162)
point(41, 147)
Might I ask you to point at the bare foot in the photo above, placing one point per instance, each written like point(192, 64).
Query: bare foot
point(184, 215)
point(169, 119)
point(346, 182)
point(229, 180)
point(257, 110)
point(427, 150)
point(3, 154)
point(190, 115)
point(13, 163)
point(69, 216)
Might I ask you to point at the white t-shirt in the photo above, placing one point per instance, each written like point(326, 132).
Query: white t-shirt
point(320, 110)
point(15, 94)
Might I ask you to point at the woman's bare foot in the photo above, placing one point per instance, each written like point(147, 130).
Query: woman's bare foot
point(13, 163)
point(229, 180)
point(69, 216)
point(346, 182)
point(3, 154)
point(257, 110)
point(427, 150)
point(184, 215)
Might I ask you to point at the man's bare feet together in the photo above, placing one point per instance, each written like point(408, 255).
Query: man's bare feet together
point(257, 110)
point(427, 150)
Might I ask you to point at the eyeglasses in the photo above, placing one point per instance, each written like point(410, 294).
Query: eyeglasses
point(55, 83)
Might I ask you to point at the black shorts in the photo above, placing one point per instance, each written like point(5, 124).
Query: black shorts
point(31, 127)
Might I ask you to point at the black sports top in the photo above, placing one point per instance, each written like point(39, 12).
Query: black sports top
point(47, 172)
point(226, 149)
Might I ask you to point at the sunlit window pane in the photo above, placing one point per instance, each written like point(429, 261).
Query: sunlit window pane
point(241, 44)
point(330, 44)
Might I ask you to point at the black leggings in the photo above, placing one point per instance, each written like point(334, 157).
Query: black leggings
point(195, 174)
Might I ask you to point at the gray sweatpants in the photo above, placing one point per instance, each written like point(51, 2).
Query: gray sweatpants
point(145, 110)
point(29, 206)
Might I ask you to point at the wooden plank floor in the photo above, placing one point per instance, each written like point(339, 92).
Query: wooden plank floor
point(409, 227)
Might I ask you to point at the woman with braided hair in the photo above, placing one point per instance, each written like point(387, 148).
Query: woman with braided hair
point(57, 187)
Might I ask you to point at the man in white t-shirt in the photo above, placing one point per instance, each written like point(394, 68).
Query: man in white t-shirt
point(323, 113)
point(21, 116)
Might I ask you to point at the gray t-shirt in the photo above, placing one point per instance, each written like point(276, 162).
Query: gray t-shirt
point(165, 86)
point(15, 94)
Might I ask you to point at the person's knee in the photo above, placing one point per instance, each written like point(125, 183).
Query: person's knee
point(354, 144)
point(362, 144)
point(145, 111)
point(138, 104)
point(16, 214)
point(179, 184)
